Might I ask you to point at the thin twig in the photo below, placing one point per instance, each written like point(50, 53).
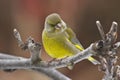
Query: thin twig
point(100, 28)
point(18, 37)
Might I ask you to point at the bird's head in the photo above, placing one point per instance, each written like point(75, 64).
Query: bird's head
point(54, 23)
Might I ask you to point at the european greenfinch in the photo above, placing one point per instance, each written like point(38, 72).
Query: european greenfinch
point(59, 40)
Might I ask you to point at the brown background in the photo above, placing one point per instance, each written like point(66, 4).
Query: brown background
point(28, 17)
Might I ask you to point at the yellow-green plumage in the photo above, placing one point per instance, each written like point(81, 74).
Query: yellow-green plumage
point(58, 46)
point(60, 41)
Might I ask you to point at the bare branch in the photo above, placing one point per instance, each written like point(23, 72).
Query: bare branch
point(52, 73)
point(22, 63)
point(105, 49)
point(34, 62)
point(107, 55)
point(6, 56)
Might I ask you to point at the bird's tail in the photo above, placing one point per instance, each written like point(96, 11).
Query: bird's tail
point(94, 61)
point(91, 59)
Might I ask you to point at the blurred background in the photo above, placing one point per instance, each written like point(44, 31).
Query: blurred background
point(28, 17)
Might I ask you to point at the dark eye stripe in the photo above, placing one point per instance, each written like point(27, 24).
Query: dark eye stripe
point(54, 24)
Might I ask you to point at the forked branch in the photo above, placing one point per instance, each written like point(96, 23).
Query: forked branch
point(105, 49)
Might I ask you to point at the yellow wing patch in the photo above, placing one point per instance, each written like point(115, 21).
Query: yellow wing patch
point(79, 47)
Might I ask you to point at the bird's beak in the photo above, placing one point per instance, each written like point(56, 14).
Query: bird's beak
point(58, 26)
point(62, 24)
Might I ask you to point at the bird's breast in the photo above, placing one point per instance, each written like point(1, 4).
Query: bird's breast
point(57, 46)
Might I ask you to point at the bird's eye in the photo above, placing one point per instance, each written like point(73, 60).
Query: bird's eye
point(52, 25)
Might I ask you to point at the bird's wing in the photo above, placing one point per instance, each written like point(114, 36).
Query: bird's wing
point(73, 39)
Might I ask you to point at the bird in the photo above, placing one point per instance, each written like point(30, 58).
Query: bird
point(59, 40)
